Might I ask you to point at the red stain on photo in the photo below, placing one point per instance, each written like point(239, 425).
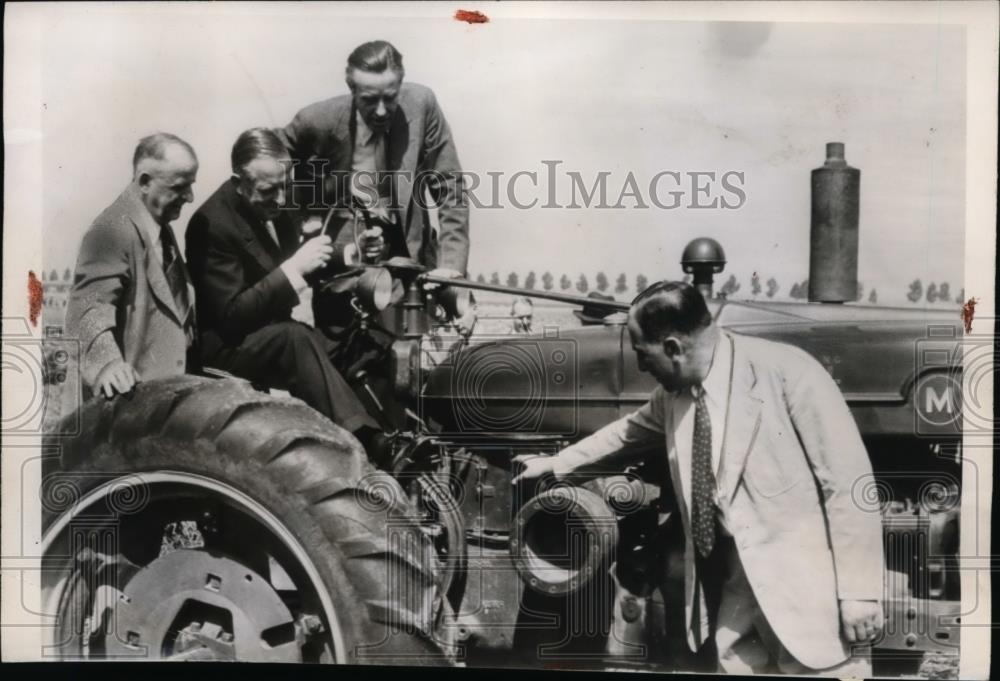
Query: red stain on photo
point(35, 297)
point(968, 312)
point(471, 16)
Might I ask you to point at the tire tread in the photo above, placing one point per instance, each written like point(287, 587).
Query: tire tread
point(304, 455)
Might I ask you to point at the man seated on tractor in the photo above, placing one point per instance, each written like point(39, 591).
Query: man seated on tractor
point(249, 265)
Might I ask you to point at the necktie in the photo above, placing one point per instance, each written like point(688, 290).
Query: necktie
point(371, 168)
point(374, 181)
point(269, 226)
point(173, 268)
point(702, 480)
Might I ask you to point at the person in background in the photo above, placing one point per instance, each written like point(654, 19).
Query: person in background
point(522, 311)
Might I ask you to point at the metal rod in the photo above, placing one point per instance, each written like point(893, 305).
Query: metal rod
point(528, 293)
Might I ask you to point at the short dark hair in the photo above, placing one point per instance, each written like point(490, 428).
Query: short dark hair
point(670, 307)
point(375, 57)
point(256, 143)
point(154, 146)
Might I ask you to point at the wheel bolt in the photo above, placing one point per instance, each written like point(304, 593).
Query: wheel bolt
point(311, 624)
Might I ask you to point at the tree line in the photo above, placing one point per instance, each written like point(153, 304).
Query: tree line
point(934, 292)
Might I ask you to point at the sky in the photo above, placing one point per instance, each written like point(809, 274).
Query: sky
point(621, 97)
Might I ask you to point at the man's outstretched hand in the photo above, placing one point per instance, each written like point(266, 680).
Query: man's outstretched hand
point(116, 377)
point(533, 468)
point(860, 621)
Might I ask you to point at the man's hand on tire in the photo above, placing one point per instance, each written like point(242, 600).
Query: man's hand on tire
point(116, 377)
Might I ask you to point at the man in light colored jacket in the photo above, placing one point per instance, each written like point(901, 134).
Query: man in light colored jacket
point(132, 306)
point(783, 560)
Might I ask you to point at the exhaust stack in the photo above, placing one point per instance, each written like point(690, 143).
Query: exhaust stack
point(833, 239)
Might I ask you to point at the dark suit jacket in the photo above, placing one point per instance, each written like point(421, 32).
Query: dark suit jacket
point(234, 264)
point(420, 148)
point(121, 306)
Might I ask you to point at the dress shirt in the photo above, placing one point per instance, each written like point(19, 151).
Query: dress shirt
point(716, 387)
point(151, 234)
point(369, 163)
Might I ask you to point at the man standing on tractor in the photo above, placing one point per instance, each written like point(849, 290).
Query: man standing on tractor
point(390, 141)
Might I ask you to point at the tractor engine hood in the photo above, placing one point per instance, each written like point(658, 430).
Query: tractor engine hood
point(563, 384)
point(571, 383)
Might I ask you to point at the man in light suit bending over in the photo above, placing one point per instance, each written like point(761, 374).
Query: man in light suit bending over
point(783, 566)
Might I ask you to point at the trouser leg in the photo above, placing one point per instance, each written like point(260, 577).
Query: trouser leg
point(733, 612)
point(294, 357)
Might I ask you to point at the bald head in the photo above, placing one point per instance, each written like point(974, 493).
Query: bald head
point(157, 147)
point(164, 169)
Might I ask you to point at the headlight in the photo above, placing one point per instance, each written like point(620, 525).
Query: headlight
point(374, 289)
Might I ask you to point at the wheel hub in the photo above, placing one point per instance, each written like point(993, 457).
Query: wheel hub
point(190, 604)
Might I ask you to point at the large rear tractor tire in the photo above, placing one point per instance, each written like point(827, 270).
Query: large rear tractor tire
point(200, 519)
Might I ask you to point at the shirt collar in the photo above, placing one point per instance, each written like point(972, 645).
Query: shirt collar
point(716, 383)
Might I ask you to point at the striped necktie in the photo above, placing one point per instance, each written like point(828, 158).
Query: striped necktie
point(702, 480)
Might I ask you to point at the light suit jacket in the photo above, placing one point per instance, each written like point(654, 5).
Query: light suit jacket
point(121, 305)
point(420, 148)
point(792, 472)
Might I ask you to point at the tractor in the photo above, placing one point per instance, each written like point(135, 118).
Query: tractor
point(201, 518)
